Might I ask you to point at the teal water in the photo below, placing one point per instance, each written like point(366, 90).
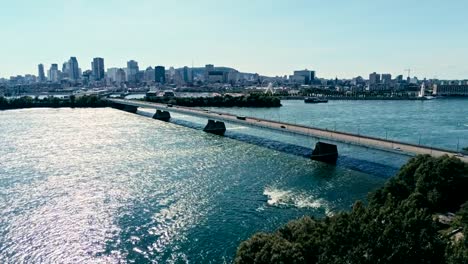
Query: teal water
point(439, 123)
point(105, 186)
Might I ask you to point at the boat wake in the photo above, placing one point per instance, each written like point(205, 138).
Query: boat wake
point(285, 198)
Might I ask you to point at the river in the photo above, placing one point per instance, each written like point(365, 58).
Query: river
point(441, 123)
point(106, 186)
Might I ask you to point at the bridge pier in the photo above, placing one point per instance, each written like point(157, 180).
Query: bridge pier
point(162, 115)
point(131, 109)
point(126, 108)
point(325, 152)
point(215, 127)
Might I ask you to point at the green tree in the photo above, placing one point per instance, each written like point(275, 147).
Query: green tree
point(396, 226)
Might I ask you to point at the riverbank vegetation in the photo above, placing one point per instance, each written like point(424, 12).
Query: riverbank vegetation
point(408, 220)
point(333, 94)
point(220, 101)
point(53, 102)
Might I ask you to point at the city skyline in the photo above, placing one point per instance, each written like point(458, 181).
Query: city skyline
point(344, 40)
point(141, 68)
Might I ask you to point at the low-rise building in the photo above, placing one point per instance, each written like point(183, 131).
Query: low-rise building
point(217, 77)
point(297, 79)
point(450, 89)
point(302, 77)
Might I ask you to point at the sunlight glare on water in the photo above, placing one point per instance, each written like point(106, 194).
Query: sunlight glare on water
point(102, 185)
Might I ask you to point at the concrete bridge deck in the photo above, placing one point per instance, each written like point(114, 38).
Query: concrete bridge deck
point(336, 136)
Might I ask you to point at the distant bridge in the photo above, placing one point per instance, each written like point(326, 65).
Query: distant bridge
point(216, 126)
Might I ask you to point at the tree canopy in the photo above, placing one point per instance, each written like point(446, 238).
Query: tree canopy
point(253, 100)
point(398, 225)
point(72, 101)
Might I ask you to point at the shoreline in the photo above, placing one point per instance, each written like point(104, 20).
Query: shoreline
point(334, 98)
point(373, 98)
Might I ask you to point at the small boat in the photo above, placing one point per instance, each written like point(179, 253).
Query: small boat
point(315, 100)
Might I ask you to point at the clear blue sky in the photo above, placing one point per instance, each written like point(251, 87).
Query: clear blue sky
point(341, 38)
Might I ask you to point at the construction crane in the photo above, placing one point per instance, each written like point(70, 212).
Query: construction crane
point(409, 72)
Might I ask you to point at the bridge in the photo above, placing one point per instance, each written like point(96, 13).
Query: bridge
point(323, 151)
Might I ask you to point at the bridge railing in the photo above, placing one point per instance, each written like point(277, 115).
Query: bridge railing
point(231, 118)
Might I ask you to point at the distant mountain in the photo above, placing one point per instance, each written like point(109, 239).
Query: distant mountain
point(199, 71)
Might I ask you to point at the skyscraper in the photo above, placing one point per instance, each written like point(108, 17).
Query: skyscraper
point(120, 76)
point(87, 76)
point(149, 74)
point(54, 73)
point(41, 75)
point(306, 75)
point(73, 69)
point(160, 74)
point(97, 66)
point(208, 68)
point(187, 75)
point(112, 74)
point(65, 69)
point(374, 81)
point(386, 78)
point(132, 71)
point(374, 78)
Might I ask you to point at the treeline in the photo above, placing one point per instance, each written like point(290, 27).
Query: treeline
point(360, 94)
point(400, 224)
point(54, 102)
point(220, 101)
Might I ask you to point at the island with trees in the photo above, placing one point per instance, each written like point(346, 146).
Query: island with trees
point(253, 100)
point(418, 216)
point(89, 101)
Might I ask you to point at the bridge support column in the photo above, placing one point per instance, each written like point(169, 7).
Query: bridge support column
point(126, 108)
point(162, 115)
point(215, 127)
point(131, 109)
point(325, 152)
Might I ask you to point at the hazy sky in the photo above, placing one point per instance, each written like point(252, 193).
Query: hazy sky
point(336, 38)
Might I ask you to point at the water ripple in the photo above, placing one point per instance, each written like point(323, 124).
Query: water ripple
point(105, 186)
